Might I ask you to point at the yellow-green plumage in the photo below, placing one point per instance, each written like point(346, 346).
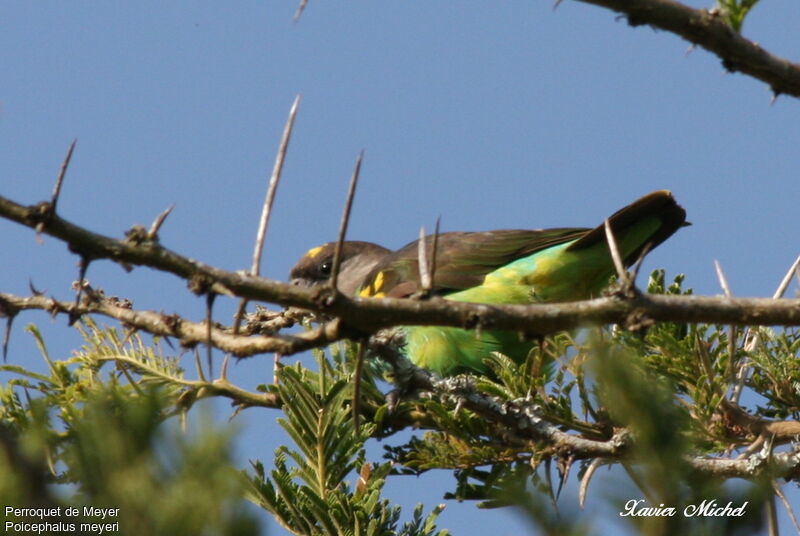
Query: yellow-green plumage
point(553, 275)
point(513, 267)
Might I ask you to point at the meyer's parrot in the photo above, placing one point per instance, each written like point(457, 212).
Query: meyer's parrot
point(495, 267)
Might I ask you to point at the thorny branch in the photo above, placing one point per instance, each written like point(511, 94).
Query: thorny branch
point(707, 29)
point(523, 419)
point(266, 210)
point(370, 315)
point(526, 420)
point(348, 207)
point(189, 333)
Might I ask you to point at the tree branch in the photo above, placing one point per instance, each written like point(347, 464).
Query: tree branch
point(370, 315)
point(525, 419)
point(197, 389)
point(707, 29)
point(190, 334)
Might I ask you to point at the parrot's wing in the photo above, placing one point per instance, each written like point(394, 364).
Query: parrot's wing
point(462, 259)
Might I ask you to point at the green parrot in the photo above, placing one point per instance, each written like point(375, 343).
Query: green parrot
point(495, 267)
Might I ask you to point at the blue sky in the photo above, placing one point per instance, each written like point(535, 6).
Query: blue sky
point(488, 114)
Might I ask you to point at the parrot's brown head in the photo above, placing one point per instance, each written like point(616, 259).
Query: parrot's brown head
point(358, 259)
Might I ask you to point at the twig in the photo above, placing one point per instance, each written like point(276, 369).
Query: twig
point(274, 179)
point(7, 337)
point(422, 261)
point(200, 374)
point(548, 473)
point(705, 363)
point(300, 8)
point(337, 264)
point(524, 420)
point(215, 388)
point(360, 356)
point(158, 222)
point(266, 209)
point(435, 250)
point(210, 297)
point(732, 335)
point(564, 474)
point(784, 284)
point(723, 281)
point(732, 373)
point(638, 265)
point(772, 516)
point(587, 477)
point(61, 174)
point(223, 371)
point(786, 504)
point(9, 312)
point(83, 267)
point(741, 376)
point(615, 255)
point(538, 360)
point(276, 366)
point(708, 30)
point(348, 207)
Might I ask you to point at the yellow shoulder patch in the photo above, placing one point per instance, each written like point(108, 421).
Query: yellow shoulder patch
point(373, 290)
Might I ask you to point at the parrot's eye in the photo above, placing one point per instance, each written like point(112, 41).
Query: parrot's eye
point(326, 267)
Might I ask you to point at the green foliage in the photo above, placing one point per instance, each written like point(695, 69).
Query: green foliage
point(114, 447)
point(528, 492)
point(664, 384)
point(311, 497)
point(101, 423)
point(109, 433)
point(648, 406)
point(776, 371)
